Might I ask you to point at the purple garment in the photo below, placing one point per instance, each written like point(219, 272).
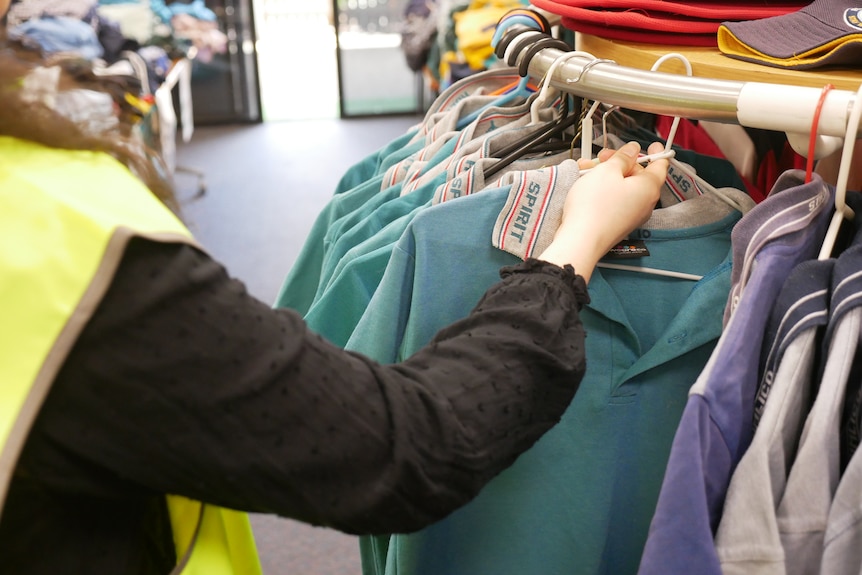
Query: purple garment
point(716, 427)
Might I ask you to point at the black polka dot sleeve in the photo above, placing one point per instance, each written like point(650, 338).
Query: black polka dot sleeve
point(184, 383)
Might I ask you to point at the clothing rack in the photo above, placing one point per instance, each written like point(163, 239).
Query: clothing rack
point(777, 107)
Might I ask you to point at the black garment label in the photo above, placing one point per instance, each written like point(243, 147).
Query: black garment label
point(628, 249)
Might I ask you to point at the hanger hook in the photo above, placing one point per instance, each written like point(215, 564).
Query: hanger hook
point(518, 43)
point(605, 125)
point(842, 210)
point(541, 100)
point(586, 122)
point(586, 69)
point(538, 46)
point(587, 131)
point(675, 124)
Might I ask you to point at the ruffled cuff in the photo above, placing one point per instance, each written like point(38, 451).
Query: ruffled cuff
point(565, 274)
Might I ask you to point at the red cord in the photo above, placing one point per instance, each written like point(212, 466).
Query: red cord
point(812, 142)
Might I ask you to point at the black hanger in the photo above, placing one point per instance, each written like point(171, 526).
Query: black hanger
point(540, 44)
point(536, 142)
point(508, 36)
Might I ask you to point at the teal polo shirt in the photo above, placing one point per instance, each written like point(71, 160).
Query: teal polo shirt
point(301, 283)
point(581, 499)
point(360, 256)
point(370, 165)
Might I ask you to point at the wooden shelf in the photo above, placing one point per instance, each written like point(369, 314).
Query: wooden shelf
point(710, 63)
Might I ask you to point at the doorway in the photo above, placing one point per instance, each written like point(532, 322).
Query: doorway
point(296, 52)
point(333, 58)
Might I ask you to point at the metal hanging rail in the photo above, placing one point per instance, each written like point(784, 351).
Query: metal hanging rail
point(777, 107)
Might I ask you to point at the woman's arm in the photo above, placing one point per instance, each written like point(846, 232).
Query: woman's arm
point(183, 383)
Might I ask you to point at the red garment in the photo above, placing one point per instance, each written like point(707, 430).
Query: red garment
point(641, 20)
point(773, 158)
point(776, 162)
point(660, 21)
point(692, 137)
point(719, 11)
point(689, 136)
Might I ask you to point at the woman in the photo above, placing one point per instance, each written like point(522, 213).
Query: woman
point(133, 368)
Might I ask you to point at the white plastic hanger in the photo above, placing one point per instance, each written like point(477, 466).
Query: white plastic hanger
point(688, 72)
point(653, 271)
point(586, 144)
point(642, 159)
point(544, 97)
point(587, 121)
point(701, 183)
point(587, 133)
point(586, 136)
point(842, 211)
point(667, 153)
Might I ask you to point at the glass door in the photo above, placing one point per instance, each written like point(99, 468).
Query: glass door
point(374, 78)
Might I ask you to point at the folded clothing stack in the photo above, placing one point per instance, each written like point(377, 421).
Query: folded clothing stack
point(674, 22)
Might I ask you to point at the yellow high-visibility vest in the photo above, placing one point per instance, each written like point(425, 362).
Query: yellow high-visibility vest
point(65, 219)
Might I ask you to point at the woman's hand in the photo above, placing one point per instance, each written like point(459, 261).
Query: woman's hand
point(604, 206)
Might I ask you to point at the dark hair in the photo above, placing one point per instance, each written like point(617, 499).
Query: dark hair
point(37, 122)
